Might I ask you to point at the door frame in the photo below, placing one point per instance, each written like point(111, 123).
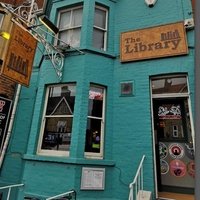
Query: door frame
point(168, 96)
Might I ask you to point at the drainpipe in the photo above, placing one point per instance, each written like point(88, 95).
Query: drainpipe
point(197, 99)
point(10, 124)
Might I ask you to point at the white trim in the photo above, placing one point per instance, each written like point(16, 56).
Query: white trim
point(47, 152)
point(169, 95)
point(53, 153)
point(59, 104)
point(154, 150)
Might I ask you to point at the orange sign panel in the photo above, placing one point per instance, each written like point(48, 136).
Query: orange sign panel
point(154, 42)
point(20, 55)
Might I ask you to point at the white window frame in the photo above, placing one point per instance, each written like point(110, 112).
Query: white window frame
point(46, 152)
point(105, 30)
point(68, 27)
point(93, 154)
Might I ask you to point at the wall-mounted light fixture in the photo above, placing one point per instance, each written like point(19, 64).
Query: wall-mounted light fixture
point(5, 35)
point(48, 24)
point(150, 3)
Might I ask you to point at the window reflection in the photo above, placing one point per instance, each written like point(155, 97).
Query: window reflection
point(94, 132)
point(59, 118)
point(170, 85)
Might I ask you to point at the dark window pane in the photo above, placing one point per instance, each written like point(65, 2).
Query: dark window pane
point(169, 120)
point(61, 100)
point(95, 108)
point(57, 133)
point(93, 136)
point(100, 18)
point(95, 102)
point(98, 39)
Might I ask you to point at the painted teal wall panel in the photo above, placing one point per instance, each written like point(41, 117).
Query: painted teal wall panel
point(59, 176)
point(13, 164)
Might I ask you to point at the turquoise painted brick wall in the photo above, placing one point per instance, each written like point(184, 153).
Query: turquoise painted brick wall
point(132, 115)
point(128, 133)
point(13, 165)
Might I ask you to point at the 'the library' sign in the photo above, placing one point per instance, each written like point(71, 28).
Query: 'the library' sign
point(20, 55)
point(154, 42)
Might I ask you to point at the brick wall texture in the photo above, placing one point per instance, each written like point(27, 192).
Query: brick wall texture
point(7, 88)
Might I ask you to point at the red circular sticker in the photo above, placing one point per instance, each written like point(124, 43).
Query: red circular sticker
point(177, 168)
point(176, 151)
point(191, 168)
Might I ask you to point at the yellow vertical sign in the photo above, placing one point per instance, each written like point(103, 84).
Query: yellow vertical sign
point(17, 65)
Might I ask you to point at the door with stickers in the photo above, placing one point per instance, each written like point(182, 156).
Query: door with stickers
point(174, 153)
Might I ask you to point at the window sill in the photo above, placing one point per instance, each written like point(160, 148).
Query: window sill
point(99, 52)
point(76, 161)
point(82, 51)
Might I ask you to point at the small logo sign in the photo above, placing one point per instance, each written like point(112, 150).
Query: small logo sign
point(164, 167)
point(163, 150)
point(2, 104)
point(191, 168)
point(176, 151)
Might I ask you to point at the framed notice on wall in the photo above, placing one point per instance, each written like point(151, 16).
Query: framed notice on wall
point(93, 178)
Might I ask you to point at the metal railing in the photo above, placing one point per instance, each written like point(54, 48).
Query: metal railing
point(9, 187)
point(67, 195)
point(137, 184)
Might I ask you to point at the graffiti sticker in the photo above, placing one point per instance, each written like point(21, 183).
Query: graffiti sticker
point(176, 151)
point(164, 167)
point(163, 151)
point(189, 151)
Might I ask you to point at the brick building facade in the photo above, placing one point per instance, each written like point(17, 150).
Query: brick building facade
point(127, 90)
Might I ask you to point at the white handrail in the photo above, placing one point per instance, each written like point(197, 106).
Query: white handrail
point(9, 188)
point(62, 195)
point(137, 183)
